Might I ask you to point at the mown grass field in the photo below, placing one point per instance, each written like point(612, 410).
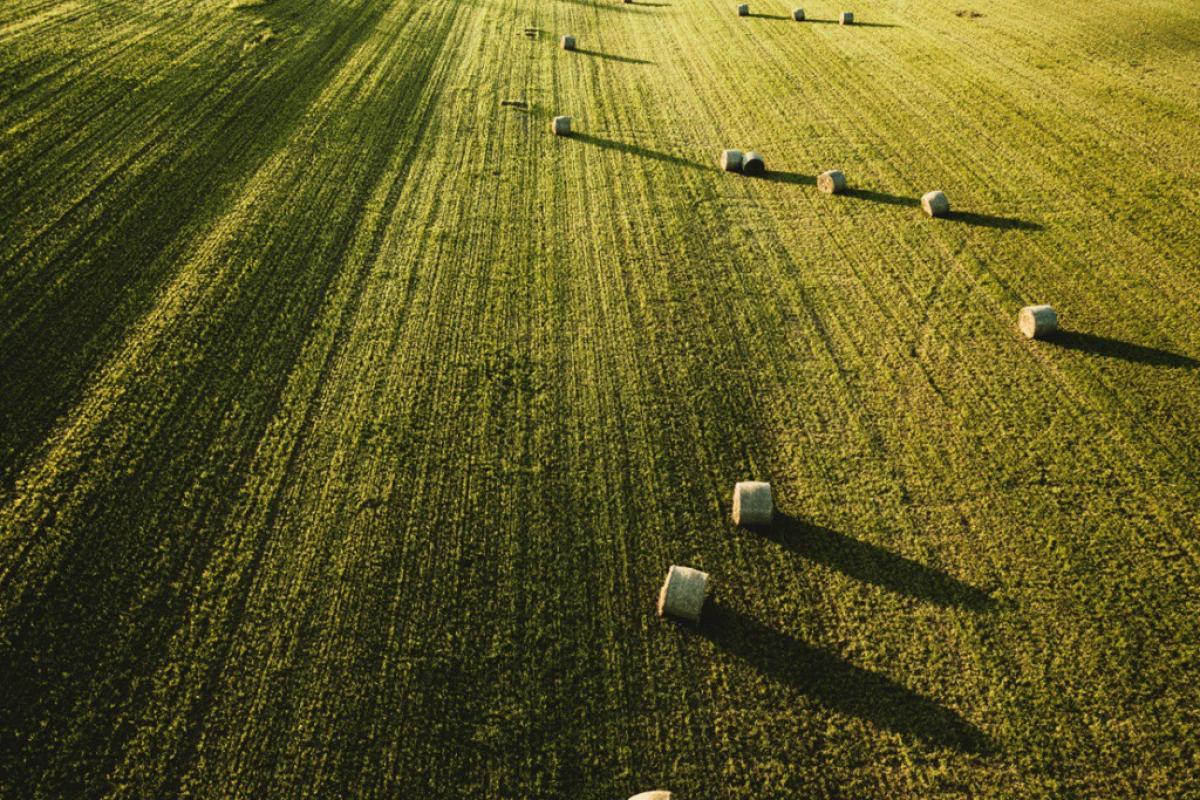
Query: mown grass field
point(349, 420)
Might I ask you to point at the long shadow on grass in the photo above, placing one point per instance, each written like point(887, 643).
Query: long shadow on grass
point(881, 197)
point(636, 150)
point(768, 16)
point(992, 221)
point(611, 57)
point(602, 6)
point(855, 24)
point(789, 177)
point(858, 194)
point(836, 683)
point(1116, 348)
point(872, 564)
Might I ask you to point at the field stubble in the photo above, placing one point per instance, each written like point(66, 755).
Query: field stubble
point(350, 419)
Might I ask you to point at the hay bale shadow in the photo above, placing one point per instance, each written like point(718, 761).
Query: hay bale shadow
point(612, 57)
point(881, 197)
point(855, 24)
point(875, 565)
point(1116, 348)
point(992, 221)
point(836, 683)
point(636, 150)
point(610, 6)
point(789, 177)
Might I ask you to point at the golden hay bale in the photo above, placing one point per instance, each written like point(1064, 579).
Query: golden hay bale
point(846, 18)
point(752, 164)
point(568, 43)
point(731, 160)
point(743, 10)
point(561, 126)
point(682, 593)
point(752, 503)
point(1037, 322)
point(831, 182)
point(935, 204)
point(798, 14)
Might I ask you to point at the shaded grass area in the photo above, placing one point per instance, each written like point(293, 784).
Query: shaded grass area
point(1109, 347)
point(867, 562)
point(611, 57)
point(836, 683)
point(640, 151)
point(92, 281)
point(85, 613)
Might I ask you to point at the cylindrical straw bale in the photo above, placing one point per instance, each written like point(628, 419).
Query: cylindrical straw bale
point(752, 503)
point(935, 204)
point(561, 126)
point(568, 43)
point(798, 14)
point(731, 160)
point(682, 594)
point(752, 164)
point(1037, 322)
point(831, 182)
point(656, 795)
point(846, 18)
point(744, 10)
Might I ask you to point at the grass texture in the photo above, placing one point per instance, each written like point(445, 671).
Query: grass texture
point(349, 419)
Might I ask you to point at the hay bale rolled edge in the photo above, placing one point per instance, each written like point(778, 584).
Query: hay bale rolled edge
point(743, 10)
point(832, 181)
point(935, 204)
point(731, 160)
point(568, 43)
point(682, 593)
point(753, 503)
point(753, 164)
point(846, 18)
point(561, 126)
point(1037, 322)
point(798, 14)
point(657, 794)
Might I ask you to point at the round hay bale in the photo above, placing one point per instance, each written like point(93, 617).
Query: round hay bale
point(752, 503)
point(798, 14)
point(752, 164)
point(831, 182)
point(935, 204)
point(682, 594)
point(561, 126)
point(846, 18)
point(743, 10)
point(1037, 322)
point(568, 43)
point(655, 795)
point(731, 160)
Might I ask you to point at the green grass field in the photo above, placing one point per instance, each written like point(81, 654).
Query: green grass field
point(349, 420)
